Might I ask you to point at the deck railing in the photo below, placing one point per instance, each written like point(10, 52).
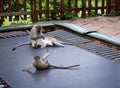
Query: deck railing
point(55, 9)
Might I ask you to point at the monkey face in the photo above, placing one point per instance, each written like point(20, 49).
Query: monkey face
point(38, 31)
point(39, 28)
point(36, 46)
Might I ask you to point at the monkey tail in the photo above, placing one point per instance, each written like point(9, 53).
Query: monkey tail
point(67, 67)
point(22, 44)
point(65, 43)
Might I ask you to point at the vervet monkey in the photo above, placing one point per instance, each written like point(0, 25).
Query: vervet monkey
point(35, 34)
point(42, 63)
point(48, 41)
point(38, 40)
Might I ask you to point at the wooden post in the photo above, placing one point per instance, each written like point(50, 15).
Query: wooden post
point(55, 9)
point(89, 7)
point(117, 7)
point(10, 9)
point(83, 8)
point(33, 10)
point(76, 7)
point(1, 10)
point(25, 9)
point(17, 9)
point(103, 6)
point(40, 9)
point(62, 9)
point(96, 7)
point(69, 4)
point(1, 5)
point(47, 9)
point(108, 5)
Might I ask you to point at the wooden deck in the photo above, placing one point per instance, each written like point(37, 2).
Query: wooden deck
point(102, 24)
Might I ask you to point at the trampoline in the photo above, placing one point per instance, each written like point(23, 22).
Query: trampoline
point(95, 71)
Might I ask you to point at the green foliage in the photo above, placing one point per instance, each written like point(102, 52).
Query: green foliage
point(14, 21)
point(112, 13)
point(52, 15)
point(92, 14)
point(68, 15)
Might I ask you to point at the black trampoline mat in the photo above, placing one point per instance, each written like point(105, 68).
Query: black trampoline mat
point(95, 71)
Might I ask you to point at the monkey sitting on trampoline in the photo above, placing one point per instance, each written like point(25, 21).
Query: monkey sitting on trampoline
point(38, 40)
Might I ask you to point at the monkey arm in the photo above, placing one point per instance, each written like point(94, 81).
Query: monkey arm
point(44, 58)
point(28, 32)
point(58, 44)
point(43, 61)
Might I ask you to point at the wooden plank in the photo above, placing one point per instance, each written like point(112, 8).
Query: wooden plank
point(62, 8)
point(47, 9)
point(69, 4)
point(108, 7)
point(83, 8)
point(76, 6)
point(103, 5)
point(25, 9)
point(14, 13)
point(117, 7)
point(1, 5)
point(10, 9)
point(1, 10)
point(33, 11)
point(89, 7)
point(17, 9)
point(96, 7)
point(55, 9)
point(40, 9)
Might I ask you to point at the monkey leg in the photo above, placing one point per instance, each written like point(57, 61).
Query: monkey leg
point(34, 44)
point(41, 43)
point(56, 43)
point(45, 56)
point(28, 68)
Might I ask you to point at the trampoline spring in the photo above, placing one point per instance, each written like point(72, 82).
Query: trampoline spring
point(13, 34)
point(1, 36)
